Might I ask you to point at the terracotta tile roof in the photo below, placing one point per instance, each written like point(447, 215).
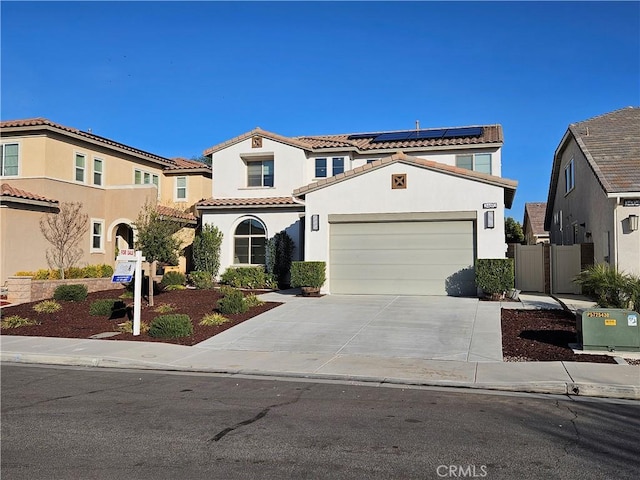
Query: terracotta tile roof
point(262, 133)
point(535, 212)
point(247, 202)
point(183, 163)
point(491, 134)
point(7, 190)
point(508, 185)
point(175, 213)
point(611, 143)
point(43, 123)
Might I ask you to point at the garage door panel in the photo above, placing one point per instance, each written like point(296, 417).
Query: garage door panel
point(412, 258)
point(403, 242)
point(394, 272)
point(401, 257)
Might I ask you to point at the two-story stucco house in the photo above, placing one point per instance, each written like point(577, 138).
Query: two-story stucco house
point(43, 164)
point(403, 212)
point(594, 192)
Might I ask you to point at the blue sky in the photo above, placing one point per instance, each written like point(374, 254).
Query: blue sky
point(176, 78)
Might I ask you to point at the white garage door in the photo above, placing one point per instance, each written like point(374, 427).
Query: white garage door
point(402, 258)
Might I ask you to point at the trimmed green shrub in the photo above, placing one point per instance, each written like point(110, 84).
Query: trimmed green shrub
point(23, 273)
point(494, 275)
point(169, 288)
point(171, 326)
point(91, 271)
point(47, 306)
point(105, 270)
point(213, 320)
point(201, 280)
point(105, 307)
point(245, 277)
point(253, 301)
point(74, 272)
point(610, 288)
point(308, 274)
point(173, 278)
point(70, 293)
point(15, 321)
point(232, 302)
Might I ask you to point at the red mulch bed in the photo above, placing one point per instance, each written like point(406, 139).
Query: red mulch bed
point(542, 335)
point(74, 321)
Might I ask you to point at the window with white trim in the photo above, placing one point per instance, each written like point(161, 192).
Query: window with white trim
point(141, 177)
point(97, 235)
point(9, 159)
point(337, 165)
point(479, 162)
point(80, 164)
point(569, 177)
point(250, 243)
point(181, 188)
point(98, 168)
point(321, 167)
point(260, 173)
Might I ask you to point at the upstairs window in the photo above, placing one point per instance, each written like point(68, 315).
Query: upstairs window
point(479, 162)
point(260, 173)
point(9, 159)
point(97, 171)
point(141, 177)
point(337, 165)
point(81, 160)
point(321, 167)
point(181, 188)
point(569, 177)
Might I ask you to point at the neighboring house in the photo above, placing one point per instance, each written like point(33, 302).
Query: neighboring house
point(405, 212)
point(594, 193)
point(533, 225)
point(43, 164)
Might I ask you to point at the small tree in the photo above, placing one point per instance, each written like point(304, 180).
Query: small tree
point(156, 235)
point(513, 231)
point(206, 250)
point(64, 230)
point(279, 256)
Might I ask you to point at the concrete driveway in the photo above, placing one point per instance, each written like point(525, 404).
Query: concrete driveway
point(439, 328)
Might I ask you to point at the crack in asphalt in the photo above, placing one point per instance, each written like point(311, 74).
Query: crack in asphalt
point(257, 417)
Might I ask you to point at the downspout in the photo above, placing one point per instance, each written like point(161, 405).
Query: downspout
point(615, 231)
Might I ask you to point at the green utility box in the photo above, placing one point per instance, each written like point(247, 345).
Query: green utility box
point(609, 329)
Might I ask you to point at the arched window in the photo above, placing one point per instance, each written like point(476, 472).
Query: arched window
point(250, 241)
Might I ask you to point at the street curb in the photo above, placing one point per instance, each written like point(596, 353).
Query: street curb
point(628, 392)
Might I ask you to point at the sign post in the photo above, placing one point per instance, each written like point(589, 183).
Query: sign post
point(129, 267)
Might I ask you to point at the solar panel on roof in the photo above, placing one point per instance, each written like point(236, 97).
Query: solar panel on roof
point(425, 134)
point(463, 132)
point(392, 136)
point(362, 135)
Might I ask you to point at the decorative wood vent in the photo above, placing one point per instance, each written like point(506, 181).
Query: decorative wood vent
point(256, 142)
point(398, 181)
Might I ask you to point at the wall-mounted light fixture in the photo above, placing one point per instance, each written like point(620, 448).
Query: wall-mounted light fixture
point(489, 219)
point(633, 222)
point(315, 223)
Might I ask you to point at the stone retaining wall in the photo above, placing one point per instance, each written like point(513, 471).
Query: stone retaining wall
point(25, 289)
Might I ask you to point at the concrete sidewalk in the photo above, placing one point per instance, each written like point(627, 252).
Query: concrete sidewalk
point(236, 352)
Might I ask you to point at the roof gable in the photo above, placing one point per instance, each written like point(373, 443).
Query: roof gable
point(257, 132)
point(400, 157)
point(611, 144)
point(535, 212)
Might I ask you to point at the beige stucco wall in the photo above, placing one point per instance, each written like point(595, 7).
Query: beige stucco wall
point(603, 216)
point(198, 188)
point(24, 247)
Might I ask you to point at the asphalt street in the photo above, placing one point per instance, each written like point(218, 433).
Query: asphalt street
point(70, 423)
